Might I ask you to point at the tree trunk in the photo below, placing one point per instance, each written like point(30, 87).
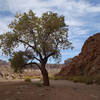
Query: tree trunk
point(45, 77)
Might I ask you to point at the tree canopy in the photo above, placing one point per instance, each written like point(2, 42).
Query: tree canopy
point(44, 36)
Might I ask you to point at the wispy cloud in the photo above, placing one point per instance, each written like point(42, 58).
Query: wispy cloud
point(4, 22)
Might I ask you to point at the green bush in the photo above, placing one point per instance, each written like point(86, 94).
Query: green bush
point(17, 61)
point(27, 80)
point(75, 79)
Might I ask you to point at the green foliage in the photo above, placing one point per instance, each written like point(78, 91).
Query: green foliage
point(27, 80)
point(8, 42)
point(45, 35)
point(18, 61)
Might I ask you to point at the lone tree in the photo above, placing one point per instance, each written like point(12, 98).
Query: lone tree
point(42, 37)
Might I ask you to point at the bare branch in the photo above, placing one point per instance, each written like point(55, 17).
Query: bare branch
point(26, 48)
point(31, 63)
point(32, 48)
point(25, 43)
point(53, 53)
point(37, 59)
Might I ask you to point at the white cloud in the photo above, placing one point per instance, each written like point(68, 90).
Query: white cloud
point(3, 5)
point(79, 31)
point(25, 5)
point(94, 9)
point(73, 10)
point(74, 23)
point(4, 22)
point(72, 6)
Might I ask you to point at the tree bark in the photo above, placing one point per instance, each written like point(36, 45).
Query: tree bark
point(45, 77)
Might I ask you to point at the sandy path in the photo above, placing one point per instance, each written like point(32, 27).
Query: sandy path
point(59, 90)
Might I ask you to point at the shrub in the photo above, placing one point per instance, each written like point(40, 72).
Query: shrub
point(81, 79)
point(17, 61)
point(75, 79)
point(58, 78)
point(27, 80)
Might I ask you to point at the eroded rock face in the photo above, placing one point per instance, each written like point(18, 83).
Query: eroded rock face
point(88, 61)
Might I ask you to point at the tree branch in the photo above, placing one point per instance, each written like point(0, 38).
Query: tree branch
point(33, 63)
point(25, 43)
point(37, 59)
point(53, 53)
point(26, 49)
point(31, 47)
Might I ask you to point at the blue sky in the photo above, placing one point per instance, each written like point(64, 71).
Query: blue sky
point(82, 16)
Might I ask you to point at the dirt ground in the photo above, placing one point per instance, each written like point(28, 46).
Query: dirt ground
point(59, 90)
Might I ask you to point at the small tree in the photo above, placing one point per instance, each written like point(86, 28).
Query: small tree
point(44, 36)
point(18, 60)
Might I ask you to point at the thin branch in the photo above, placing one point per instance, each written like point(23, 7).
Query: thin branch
point(37, 59)
point(26, 49)
point(25, 43)
point(33, 63)
point(34, 56)
point(53, 53)
point(32, 48)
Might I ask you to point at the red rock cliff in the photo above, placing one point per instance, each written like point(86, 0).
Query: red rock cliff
point(88, 61)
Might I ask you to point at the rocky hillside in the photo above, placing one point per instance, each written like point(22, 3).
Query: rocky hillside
point(6, 72)
point(3, 63)
point(4, 67)
point(88, 61)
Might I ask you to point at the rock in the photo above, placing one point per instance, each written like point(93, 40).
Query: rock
point(68, 61)
point(1, 75)
point(88, 61)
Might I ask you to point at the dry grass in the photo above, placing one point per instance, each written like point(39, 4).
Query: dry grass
point(81, 79)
